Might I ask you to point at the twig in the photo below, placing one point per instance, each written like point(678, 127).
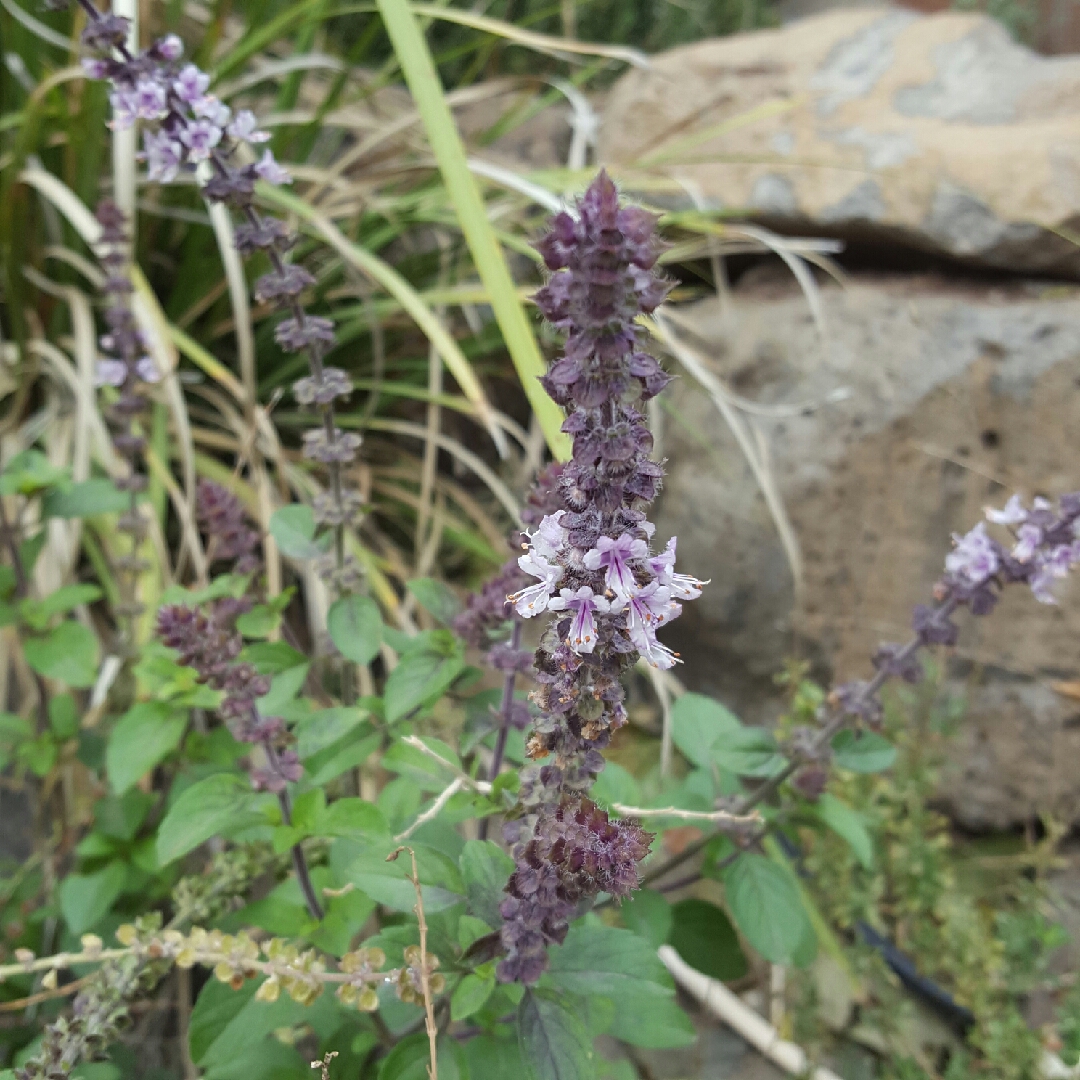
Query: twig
point(324, 1064)
point(434, 810)
point(755, 1029)
point(44, 995)
point(60, 961)
point(688, 815)
point(425, 974)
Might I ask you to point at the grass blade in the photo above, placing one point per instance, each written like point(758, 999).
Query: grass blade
point(419, 69)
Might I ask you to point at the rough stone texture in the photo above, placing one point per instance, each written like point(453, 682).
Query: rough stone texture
point(936, 132)
point(958, 395)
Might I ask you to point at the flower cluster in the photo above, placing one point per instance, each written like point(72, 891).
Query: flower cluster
point(574, 853)
point(591, 566)
point(209, 644)
point(186, 129)
point(99, 1013)
point(126, 367)
point(221, 518)
point(1045, 547)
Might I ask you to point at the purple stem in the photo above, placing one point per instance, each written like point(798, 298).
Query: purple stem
point(823, 738)
point(505, 709)
point(299, 862)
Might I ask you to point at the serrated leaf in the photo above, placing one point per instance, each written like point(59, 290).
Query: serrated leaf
point(351, 817)
point(485, 869)
point(324, 728)
point(423, 673)
point(410, 1059)
point(387, 883)
point(436, 598)
point(767, 908)
point(697, 722)
point(68, 653)
point(356, 628)
point(85, 899)
point(702, 934)
point(36, 613)
point(222, 802)
point(29, 472)
point(293, 528)
point(848, 824)
point(145, 735)
point(602, 961)
point(648, 914)
point(470, 995)
point(863, 752)
point(748, 751)
point(87, 498)
point(554, 1042)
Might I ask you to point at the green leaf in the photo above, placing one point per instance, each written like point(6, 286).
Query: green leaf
point(324, 728)
point(703, 936)
point(436, 598)
point(648, 914)
point(14, 728)
point(387, 883)
point(696, 724)
point(492, 1058)
point(85, 899)
point(423, 673)
point(260, 622)
point(228, 1025)
point(601, 961)
point(293, 527)
point(419, 767)
point(145, 735)
point(284, 686)
point(848, 824)
point(222, 802)
point(28, 473)
point(409, 1060)
point(351, 817)
point(748, 751)
point(86, 499)
point(554, 1042)
point(64, 717)
point(470, 995)
point(356, 628)
point(767, 908)
point(616, 785)
point(863, 752)
point(36, 613)
point(69, 654)
point(273, 657)
point(485, 869)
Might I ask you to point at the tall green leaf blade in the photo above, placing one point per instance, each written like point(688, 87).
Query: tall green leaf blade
point(415, 59)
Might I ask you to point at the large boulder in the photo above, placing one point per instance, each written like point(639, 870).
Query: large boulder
point(931, 132)
point(952, 396)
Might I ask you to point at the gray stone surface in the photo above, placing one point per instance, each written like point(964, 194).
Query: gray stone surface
point(938, 133)
point(956, 395)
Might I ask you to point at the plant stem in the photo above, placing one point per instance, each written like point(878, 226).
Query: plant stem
point(299, 861)
point(505, 708)
point(767, 789)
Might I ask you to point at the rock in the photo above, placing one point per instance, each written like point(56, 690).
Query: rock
point(936, 133)
point(957, 395)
